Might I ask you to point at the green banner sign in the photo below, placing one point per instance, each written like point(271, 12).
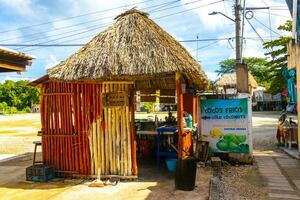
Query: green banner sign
point(225, 124)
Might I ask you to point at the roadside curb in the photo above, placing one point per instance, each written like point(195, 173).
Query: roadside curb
point(291, 153)
point(13, 157)
point(214, 187)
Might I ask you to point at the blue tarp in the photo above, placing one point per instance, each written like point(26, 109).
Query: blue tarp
point(290, 76)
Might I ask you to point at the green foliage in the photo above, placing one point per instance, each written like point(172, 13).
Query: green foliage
point(149, 106)
point(257, 67)
point(278, 60)
point(26, 110)
point(266, 71)
point(16, 96)
point(12, 110)
point(3, 107)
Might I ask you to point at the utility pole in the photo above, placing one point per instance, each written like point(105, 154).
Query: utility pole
point(241, 69)
point(237, 8)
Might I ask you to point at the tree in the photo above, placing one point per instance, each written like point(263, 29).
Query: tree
point(278, 59)
point(18, 95)
point(257, 67)
point(267, 71)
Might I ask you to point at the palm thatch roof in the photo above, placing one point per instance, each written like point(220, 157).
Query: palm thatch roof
point(134, 47)
point(13, 61)
point(229, 80)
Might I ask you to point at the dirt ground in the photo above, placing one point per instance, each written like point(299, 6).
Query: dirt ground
point(243, 181)
point(17, 132)
point(237, 181)
point(153, 184)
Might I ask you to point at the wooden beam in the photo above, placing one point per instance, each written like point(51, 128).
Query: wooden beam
point(132, 134)
point(165, 92)
point(12, 66)
point(294, 63)
point(199, 118)
point(195, 99)
point(148, 98)
point(179, 112)
point(167, 100)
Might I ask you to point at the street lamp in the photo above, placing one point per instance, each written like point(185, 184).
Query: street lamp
point(215, 13)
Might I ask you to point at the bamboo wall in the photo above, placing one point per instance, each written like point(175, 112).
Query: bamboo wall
point(80, 135)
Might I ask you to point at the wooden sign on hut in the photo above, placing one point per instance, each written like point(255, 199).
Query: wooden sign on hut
point(80, 134)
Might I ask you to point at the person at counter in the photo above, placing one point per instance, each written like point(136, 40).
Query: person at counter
point(187, 120)
point(170, 119)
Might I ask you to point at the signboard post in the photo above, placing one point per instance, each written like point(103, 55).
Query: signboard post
point(226, 124)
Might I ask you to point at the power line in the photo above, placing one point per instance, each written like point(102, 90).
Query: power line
point(266, 26)
point(79, 44)
point(164, 5)
point(62, 45)
point(89, 28)
point(205, 46)
point(273, 14)
point(75, 25)
point(255, 30)
point(153, 19)
point(74, 34)
point(190, 9)
point(77, 16)
point(109, 17)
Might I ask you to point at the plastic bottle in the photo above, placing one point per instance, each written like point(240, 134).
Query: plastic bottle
point(190, 121)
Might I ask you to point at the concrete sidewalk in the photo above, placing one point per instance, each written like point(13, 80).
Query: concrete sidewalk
point(281, 174)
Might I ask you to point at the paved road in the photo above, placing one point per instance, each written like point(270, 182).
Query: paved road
point(264, 129)
point(280, 173)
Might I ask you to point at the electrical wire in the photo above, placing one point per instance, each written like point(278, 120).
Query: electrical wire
point(253, 28)
point(205, 46)
point(77, 16)
point(190, 9)
point(274, 14)
point(164, 5)
point(153, 19)
point(78, 24)
point(67, 36)
point(270, 29)
point(79, 44)
point(98, 24)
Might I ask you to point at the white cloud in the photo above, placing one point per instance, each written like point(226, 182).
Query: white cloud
point(23, 7)
point(210, 22)
point(51, 61)
point(211, 75)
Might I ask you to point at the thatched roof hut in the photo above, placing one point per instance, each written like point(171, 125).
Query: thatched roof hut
point(229, 81)
point(88, 100)
point(133, 48)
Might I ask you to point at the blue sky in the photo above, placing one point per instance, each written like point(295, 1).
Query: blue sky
point(193, 21)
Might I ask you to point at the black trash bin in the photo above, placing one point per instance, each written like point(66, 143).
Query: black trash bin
point(185, 174)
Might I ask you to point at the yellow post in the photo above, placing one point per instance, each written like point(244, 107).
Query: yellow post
point(294, 63)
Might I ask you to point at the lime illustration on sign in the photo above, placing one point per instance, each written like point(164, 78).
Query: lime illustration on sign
point(225, 124)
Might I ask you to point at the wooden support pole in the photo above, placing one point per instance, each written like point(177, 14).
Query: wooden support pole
point(296, 58)
point(242, 78)
point(132, 134)
point(294, 63)
point(179, 112)
point(195, 99)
